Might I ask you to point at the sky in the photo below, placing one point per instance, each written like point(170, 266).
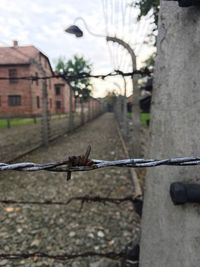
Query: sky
point(42, 23)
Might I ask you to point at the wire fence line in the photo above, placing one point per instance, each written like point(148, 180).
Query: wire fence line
point(19, 141)
point(63, 257)
point(123, 255)
point(72, 164)
point(143, 72)
point(82, 199)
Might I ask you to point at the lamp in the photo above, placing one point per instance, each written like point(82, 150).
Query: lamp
point(73, 29)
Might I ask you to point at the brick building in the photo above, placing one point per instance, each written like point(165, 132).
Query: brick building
point(24, 97)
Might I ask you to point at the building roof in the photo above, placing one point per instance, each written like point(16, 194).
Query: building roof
point(17, 54)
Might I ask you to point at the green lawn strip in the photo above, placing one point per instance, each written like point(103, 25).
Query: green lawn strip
point(17, 122)
point(144, 118)
point(3, 123)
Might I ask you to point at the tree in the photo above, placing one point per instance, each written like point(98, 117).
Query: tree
point(145, 6)
point(150, 61)
point(74, 67)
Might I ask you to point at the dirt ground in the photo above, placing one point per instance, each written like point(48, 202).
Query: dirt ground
point(56, 229)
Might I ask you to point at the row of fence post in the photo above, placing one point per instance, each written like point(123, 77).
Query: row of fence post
point(121, 114)
point(94, 108)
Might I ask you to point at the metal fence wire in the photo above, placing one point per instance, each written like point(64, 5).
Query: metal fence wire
point(83, 163)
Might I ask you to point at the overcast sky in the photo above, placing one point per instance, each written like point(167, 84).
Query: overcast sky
point(41, 23)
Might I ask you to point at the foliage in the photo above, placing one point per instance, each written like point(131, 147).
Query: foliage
point(145, 118)
point(150, 61)
point(17, 122)
point(145, 6)
point(75, 66)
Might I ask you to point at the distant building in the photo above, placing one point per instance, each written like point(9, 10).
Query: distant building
point(24, 97)
point(61, 97)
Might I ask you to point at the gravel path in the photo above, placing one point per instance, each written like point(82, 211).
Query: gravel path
point(58, 229)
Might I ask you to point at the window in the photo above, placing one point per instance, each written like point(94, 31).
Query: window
point(36, 81)
point(14, 100)
point(58, 104)
point(12, 75)
point(57, 89)
point(38, 101)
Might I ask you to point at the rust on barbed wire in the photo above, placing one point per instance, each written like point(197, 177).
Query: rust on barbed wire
point(82, 160)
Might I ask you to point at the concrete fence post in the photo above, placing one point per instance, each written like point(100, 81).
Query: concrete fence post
point(171, 234)
point(70, 121)
point(89, 110)
point(136, 147)
point(45, 119)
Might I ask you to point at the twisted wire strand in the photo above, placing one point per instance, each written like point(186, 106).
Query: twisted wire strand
point(82, 199)
point(65, 256)
point(81, 75)
point(65, 166)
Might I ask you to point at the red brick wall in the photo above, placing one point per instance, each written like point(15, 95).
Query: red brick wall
point(31, 90)
point(22, 88)
point(42, 69)
point(63, 97)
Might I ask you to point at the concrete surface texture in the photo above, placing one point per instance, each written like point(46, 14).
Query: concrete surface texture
point(171, 234)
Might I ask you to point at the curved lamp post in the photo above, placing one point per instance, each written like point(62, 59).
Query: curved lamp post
point(73, 29)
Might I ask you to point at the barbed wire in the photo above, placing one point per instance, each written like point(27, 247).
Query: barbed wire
point(82, 199)
point(77, 163)
point(82, 75)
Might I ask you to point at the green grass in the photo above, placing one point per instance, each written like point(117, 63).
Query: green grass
point(144, 118)
point(16, 122)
